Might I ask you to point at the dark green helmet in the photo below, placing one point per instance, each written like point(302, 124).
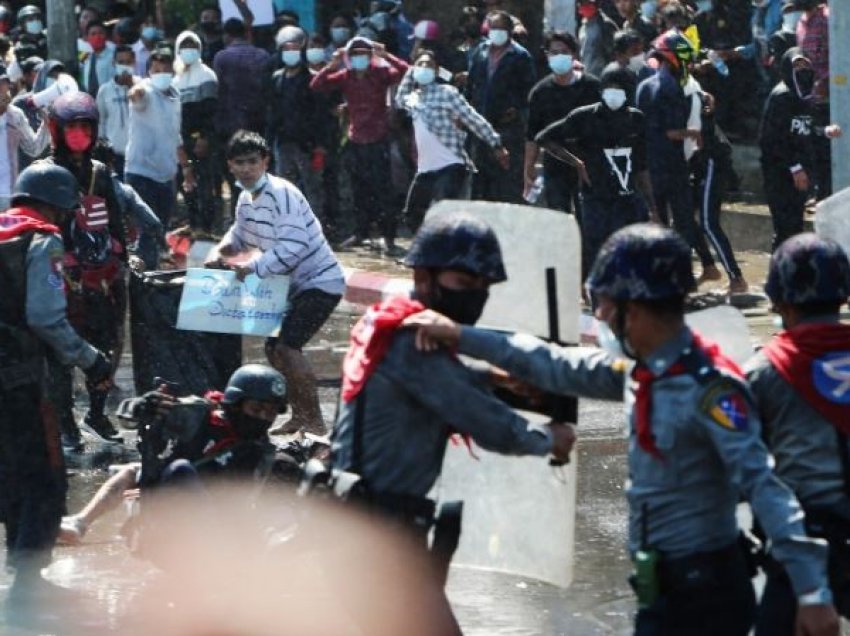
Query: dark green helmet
point(256, 382)
point(47, 183)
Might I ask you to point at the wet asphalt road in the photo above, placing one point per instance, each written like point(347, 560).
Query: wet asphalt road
point(598, 602)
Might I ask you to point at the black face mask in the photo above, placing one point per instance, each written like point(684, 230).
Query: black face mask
point(804, 82)
point(463, 306)
point(249, 427)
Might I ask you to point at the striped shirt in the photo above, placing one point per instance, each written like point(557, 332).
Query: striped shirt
point(280, 223)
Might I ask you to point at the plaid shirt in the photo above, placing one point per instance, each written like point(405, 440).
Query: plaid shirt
point(443, 109)
point(813, 38)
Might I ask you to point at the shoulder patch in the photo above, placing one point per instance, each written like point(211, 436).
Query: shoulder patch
point(831, 376)
point(726, 406)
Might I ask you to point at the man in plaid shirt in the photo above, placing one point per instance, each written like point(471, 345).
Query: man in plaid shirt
point(441, 117)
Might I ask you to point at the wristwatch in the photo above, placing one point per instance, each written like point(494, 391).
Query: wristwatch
point(820, 596)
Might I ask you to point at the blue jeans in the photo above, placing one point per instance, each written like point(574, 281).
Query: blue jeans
point(162, 199)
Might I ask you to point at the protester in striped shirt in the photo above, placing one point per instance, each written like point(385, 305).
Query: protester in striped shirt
point(275, 220)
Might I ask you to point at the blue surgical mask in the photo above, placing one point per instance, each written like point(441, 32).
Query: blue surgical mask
point(190, 56)
point(424, 75)
point(256, 187)
point(340, 34)
point(649, 8)
point(498, 37)
point(790, 20)
point(703, 5)
point(161, 81)
point(121, 69)
point(315, 55)
point(359, 62)
point(614, 98)
point(34, 27)
point(608, 341)
point(150, 33)
point(291, 58)
point(561, 63)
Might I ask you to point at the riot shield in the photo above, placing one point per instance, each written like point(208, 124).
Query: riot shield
point(519, 512)
point(726, 326)
point(832, 218)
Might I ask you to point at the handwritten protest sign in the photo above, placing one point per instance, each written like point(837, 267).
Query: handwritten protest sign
point(213, 300)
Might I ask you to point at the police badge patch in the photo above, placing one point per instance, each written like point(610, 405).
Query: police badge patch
point(726, 406)
point(831, 376)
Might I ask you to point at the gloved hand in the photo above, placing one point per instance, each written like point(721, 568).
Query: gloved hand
point(100, 371)
point(157, 403)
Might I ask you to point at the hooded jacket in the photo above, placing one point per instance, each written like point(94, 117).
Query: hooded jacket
point(787, 126)
point(198, 88)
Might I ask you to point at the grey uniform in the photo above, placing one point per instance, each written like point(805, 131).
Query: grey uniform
point(692, 493)
point(46, 310)
point(412, 402)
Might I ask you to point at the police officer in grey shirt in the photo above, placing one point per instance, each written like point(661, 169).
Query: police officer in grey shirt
point(33, 317)
point(399, 406)
point(694, 442)
point(800, 384)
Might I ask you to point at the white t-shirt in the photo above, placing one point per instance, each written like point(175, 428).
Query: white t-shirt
point(5, 165)
point(433, 155)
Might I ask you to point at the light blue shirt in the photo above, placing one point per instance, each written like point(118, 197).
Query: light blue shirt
point(154, 134)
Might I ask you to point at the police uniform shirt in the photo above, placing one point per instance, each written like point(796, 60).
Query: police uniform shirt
point(611, 143)
point(709, 439)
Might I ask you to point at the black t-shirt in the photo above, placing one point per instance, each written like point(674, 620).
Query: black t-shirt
point(612, 145)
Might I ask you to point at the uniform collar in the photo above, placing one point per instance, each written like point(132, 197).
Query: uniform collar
point(665, 356)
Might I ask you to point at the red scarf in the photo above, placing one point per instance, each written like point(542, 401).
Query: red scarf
point(371, 339)
point(221, 426)
point(17, 221)
point(644, 378)
point(815, 360)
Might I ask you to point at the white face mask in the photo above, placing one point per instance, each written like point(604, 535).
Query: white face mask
point(614, 98)
point(498, 37)
point(636, 62)
point(608, 342)
point(257, 185)
point(161, 81)
point(790, 20)
point(34, 27)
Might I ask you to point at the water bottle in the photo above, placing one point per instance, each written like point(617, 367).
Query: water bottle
point(535, 191)
point(718, 63)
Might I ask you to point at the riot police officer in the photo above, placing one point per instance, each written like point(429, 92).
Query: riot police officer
point(799, 381)
point(399, 406)
point(33, 320)
point(694, 442)
point(95, 256)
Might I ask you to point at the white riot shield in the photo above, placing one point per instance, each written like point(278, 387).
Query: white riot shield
point(832, 219)
point(726, 326)
point(519, 512)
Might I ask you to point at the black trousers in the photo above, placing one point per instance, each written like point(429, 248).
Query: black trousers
point(492, 182)
point(709, 188)
point(429, 187)
point(672, 191)
point(787, 204)
point(701, 595)
point(600, 218)
point(32, 476)
point(369, 167)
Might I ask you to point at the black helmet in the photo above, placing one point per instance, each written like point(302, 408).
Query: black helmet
point(76, 106)
point(642, 262)
point(256, 382)
point(47, 183)
point(458, 241)
point(29, 11)
point(808, 269)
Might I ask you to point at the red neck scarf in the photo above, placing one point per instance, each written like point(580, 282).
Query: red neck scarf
point(17, 221)
point(815, 360)
point(221, 426)
point(371, 339)
point(644, 378)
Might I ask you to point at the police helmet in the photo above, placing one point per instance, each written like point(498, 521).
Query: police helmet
point(643, 262)
point(47, 183)
point(256, 382)
point(27, 12)
point(673, 47)
point(458, 241)
point(807, 268)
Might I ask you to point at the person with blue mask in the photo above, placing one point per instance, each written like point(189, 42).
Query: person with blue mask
point(294, 131)
point(553, 98)
point(197, 85)
point(143, 47)
point(501, 74)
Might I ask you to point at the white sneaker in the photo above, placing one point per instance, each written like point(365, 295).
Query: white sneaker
point(71, 530)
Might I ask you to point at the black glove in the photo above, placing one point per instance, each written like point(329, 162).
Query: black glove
point(99, 371)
